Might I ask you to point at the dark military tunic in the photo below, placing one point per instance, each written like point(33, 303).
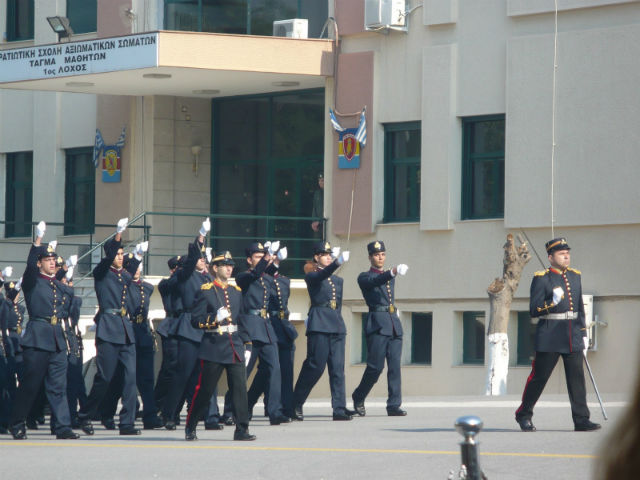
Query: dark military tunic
point(169, 343)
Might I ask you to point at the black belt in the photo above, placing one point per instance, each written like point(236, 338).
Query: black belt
point(180, 312)
point(53, 319)
point(332, 305)
point(281, 314)
point(259, 313)
point(383, 308)
point(115, 311)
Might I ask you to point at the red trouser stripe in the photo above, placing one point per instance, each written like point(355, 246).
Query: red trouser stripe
point(195, 393)
point(531, 375)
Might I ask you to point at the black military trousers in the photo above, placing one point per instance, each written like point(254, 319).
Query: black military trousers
point(50, 367)
point(268, 373)
point(208, 380)
point(323, 349)
point(167, 369)
point(184, 378)
point(76, 390)
point(260, 381)
point(379, 348)
point(109, 356)
point(541, 368)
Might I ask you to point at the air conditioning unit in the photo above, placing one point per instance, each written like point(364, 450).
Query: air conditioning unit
point(384, 15)
point(292, 28)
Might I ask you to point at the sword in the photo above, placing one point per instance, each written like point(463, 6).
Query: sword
point(595, 387)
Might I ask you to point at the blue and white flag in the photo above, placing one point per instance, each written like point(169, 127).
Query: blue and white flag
point(120, 142)
point(334, 121)
point(361, 132)
point(97, 148)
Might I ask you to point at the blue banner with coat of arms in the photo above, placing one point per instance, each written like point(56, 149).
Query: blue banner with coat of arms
point(350, 141)
point(111, 157)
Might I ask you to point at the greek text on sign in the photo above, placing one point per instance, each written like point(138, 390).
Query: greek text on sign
point(78, 58)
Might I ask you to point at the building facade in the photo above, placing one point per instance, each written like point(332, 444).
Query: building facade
point(462, 108)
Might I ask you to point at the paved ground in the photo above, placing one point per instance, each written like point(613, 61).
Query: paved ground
point(422, 445)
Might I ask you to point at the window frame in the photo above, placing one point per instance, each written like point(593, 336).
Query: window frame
point(390, 129)
point(71, 182)
point(466, 317)
point(468, 160)
point(524, 318)
point(12, 12)
point(11, 188)
point(83, 24)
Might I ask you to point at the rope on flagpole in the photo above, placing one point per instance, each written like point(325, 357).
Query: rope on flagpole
point(353, 189)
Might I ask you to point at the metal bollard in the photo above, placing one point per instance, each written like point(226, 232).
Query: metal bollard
point(469, 426)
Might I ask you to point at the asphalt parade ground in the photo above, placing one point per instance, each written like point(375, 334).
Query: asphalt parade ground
point(422, 445)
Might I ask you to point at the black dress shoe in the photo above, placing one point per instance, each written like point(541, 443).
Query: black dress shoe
point(586, 426)
point(526, 425)
point(75, 423)
point(67, 435)
point(86, 426)
point(297, 414)
point(342, 416)
point(190, 434)
point(358, 406)
point(396, 412)
point(19, 432)
point(213, 426)
point(152, 423)
point(108, 423)
point(129, 430)
point(32, 424)
point(170, 425)
point(229, 421)
point(279, 420)
point(243, 435)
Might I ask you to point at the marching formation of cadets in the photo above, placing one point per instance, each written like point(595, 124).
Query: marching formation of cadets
point(210, 326)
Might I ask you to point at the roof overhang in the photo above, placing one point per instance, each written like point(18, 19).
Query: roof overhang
point(170, 63)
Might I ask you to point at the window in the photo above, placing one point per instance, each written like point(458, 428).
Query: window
point(526, 339)
point(267, 153)
point(82, 15)
point(402, 172)
point(483, 167)
point(473, 338)
point(80, 188)
point(251, 17)
point(19, 192)
point(421, 331)
point(19, 20)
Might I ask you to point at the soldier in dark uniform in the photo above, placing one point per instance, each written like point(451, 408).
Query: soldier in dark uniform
point(286, 334)
point(326, 332)
point(186, 282)
point(257, 292)
point(5, 370)
point(44, 346)
point(115, 340)
point(14, 323)
point(556, 301)
point(225, 346)
point(169, 342)
point(383, 331)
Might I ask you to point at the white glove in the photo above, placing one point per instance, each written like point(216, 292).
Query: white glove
point(122, 225)
point(207, 252)
point(222, 314)
point(586, 344)
point(267, 244)
point(344, 257)
point(558, 293)
point(335, 251)
point(143, 247)
point(53, 244)
point(402, 269)
point(18, 284)
point(7, 271)
point(69, 274)
point(40, 229)
point(206, 227)
point(274, 247)
point(72, 261)
point(282, 254)
point(247, 357)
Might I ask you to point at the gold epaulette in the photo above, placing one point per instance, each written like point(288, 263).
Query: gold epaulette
point(238, 288)
point(540, 273)
point(206, 286)
point(574, 271)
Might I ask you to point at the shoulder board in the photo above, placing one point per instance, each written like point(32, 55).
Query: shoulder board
point(574, 270)
point(238, 288)
point(540, 273)
point(206, 286)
